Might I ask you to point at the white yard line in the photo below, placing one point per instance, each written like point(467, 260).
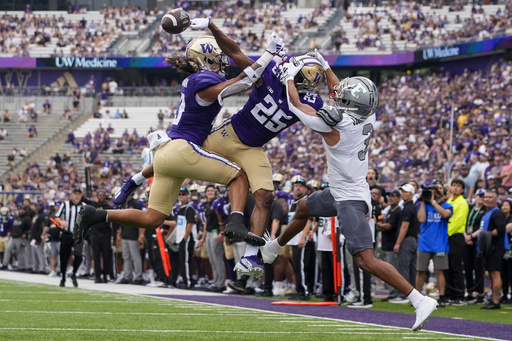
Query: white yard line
point(141, 292)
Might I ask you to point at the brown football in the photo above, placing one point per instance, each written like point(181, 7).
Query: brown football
point(175, 21)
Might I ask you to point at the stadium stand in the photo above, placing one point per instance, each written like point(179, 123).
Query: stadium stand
point(407, 26)
point(58, 33)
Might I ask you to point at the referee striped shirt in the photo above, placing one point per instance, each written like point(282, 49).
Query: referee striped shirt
point(68, 211)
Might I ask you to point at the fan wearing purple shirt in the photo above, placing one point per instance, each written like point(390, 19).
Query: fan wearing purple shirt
point(182, 157)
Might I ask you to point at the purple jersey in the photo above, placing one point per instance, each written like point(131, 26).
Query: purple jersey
point(194, 121)
point(266, 113)
point(5, 225)
point(286, 196)
point(223, 206)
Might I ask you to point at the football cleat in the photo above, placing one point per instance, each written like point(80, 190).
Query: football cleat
point(87, 217)
point(236, 232)
point(250, 265)
point(129, 186)
point(423, 312)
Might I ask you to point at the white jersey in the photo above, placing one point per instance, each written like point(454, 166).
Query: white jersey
point(348, 161)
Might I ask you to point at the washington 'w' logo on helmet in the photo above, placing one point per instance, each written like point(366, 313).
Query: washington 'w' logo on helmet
point(205, 54)
point(207, 48)
point(311, 74)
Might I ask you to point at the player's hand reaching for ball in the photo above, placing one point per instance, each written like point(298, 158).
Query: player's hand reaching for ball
point(289, 70)
point(199, 23)
point(275, 44)
point(320, 58)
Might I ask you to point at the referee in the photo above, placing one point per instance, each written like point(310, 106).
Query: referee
point(66, 216)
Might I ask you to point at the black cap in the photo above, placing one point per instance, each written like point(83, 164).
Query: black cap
point(395, 193)
point(76, 189)
point(184, 190)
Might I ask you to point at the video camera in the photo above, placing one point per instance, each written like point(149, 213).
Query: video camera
point(426, 193)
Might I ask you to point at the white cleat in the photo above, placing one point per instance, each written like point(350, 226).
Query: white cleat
point(423, 312)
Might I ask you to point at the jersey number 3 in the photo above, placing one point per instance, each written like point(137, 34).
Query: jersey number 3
point(367, 130)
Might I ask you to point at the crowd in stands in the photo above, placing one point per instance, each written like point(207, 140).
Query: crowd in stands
point(20, 33)
point(238, 19)
point(400, 21)
point(406, 22)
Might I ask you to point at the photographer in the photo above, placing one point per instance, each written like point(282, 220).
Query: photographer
point(433, 215)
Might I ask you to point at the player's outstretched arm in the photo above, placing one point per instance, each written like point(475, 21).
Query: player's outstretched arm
point(252, 74)
point(307, 114)
point(226, 44)
point(332, 79)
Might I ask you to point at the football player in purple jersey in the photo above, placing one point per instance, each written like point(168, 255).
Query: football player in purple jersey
point(264, 116)
point(181, 156)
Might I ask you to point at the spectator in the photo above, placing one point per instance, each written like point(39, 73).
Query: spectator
point(492, 227)
point(3, 134)
point(32, 131)
point(10, 159)
point(506, 172)
point(456, 227)
point(7, 116)
point(506, 270)
point(433, 215)
point(473, 262)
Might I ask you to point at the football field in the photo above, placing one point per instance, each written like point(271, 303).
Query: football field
point(41, 311)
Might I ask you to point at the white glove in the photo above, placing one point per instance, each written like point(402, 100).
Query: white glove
point(320, 58)
point(275, 44)
point(199, 23)
point(289, 70)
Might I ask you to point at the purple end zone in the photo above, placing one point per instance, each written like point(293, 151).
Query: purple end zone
point(438, 324)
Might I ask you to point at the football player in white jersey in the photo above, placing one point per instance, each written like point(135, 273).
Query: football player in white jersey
point(346, 130)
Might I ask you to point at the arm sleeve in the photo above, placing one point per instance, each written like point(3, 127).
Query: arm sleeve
point(252, 74)
point(312, 122)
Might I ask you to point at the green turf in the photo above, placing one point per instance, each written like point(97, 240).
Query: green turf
point(31, 311)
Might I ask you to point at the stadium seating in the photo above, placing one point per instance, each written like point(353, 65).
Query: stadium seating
point(385, 16)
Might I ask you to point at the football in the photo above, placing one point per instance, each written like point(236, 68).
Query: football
point(175, 21)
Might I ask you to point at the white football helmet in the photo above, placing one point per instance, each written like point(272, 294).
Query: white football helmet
point(4, 211)
point(358, 97)
point(204, 54)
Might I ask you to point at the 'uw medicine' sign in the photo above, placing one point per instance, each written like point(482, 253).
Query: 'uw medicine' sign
point(86, 63)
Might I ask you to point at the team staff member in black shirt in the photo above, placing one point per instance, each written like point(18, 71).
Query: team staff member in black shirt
point(101, 235)
point(406, 245)
point(389, 228)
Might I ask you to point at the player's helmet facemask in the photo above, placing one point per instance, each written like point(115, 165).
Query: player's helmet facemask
point(358, 97)
point(204, 54)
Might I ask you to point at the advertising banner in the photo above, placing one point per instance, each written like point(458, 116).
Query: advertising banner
point(18, 196)
point(367, 60)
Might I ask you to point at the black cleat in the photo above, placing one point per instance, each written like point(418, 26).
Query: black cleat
point(73, 279)
point(87, 217)
point(62, 282)
point(236, 232)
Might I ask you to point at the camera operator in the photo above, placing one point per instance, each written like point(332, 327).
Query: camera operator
point(433, 215)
